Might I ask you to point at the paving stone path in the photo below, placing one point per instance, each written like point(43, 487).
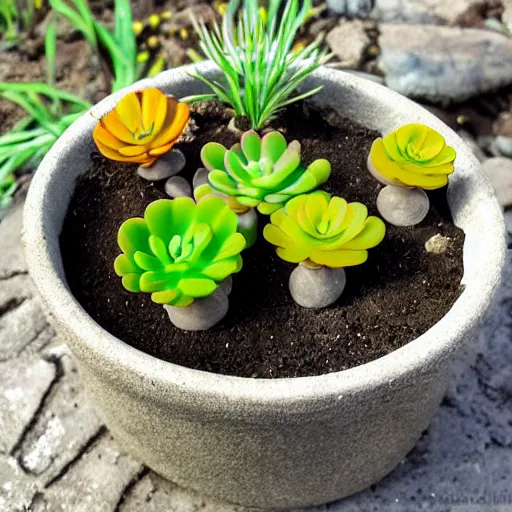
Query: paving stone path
point(55, 454)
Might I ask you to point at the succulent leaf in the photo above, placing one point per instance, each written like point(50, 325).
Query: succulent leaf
point(180, 250)
point(325, 230)
point(414, 155)
point(143, 126)
point(261, 172)
point(212, 155)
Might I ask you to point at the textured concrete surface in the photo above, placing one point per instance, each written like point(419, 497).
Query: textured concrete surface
point(55, 454)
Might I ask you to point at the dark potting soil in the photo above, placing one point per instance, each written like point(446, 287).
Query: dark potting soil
point(399, 293)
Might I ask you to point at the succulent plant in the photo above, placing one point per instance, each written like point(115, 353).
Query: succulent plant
point(262, 172)
point(322, 230)
point(180, 250)
point(143, 126)
point(414, 155)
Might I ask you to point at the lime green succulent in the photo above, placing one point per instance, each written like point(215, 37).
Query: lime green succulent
point(262, 172)
point(414, 155)
point(323, 230)
point(180, 250)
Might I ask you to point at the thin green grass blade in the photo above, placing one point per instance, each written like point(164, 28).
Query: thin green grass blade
point(22, 136)
point(198, 97)
point(50, 50)
point(44, 89)
point(76, 19)
point(125, 38)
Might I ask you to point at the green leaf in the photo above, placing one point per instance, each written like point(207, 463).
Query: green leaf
point(273, 145)
point(197, 287)
point(123, 265)
point(132, 282)
point(251, 145)
point(133, 236)
point(212, 156)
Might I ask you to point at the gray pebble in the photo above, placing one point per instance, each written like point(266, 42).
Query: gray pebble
point(200, 177)
point(402, 206)
point(202, 314)
point(176, 186)
point(316, 287)
point(166, 166)
point(504, 145)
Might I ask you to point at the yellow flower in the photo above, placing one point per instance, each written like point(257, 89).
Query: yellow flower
point(412, 156)
point(143, 126)
point(324, 230)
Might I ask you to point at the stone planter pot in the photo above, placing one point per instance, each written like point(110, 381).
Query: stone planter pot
point(281, 443)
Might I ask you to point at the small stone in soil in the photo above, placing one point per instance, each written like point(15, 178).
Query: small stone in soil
point(202, 314)
point(402, 206)
point(176, 186)
point(166, 166)
point(316, 287)
point(437, 244)
point(200, 177)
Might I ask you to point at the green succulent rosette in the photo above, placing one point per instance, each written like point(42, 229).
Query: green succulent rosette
point(414, 155)
point(180, 250)
point(324, 230)
point(261, 172)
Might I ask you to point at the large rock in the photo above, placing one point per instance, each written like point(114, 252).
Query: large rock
point(444, 64)
point(349, 41)
point(507, 13)
point(360, 8)
point(499, 170)
point(437, 12)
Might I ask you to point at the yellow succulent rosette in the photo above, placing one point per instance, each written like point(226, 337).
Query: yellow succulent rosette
point(323, 230)
point(143, 126)
point(414, 155)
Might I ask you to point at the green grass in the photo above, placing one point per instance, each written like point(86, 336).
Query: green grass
point(119, 44)
point(51, 111)
point(260, 71)
point(32, 137)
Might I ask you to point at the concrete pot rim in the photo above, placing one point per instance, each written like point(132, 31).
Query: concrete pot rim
point(442, 340)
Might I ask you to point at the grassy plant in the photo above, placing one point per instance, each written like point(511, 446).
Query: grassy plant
point(16, 16)
point(261, 73)
point(119, 44)
point(8, 19)
point(31, 138)
point(50, 111)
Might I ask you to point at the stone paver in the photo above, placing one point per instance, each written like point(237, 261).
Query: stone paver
point(67, 425)
point(12, 261)
point(19, 327)
point(56, 456)
point(95, 483)
point(23, 384)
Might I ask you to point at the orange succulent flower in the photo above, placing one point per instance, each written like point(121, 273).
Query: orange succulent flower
point(143, 126)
